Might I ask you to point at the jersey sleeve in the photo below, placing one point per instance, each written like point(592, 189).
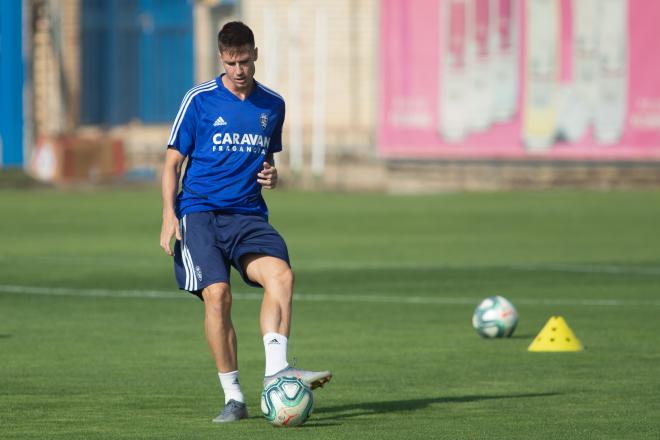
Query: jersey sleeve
point(182, 137)
point(276, 139)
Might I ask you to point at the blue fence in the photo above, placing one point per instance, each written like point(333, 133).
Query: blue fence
point(137, 59)
point(11, 84)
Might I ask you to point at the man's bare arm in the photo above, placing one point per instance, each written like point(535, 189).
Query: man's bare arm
point(170, 188)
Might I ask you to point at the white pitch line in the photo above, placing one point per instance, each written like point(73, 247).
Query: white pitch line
point(343, 298)
point(66, 291)
point(527, 267)
point(586, 268)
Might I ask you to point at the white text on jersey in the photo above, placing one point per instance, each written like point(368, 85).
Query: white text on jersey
point(255, 140)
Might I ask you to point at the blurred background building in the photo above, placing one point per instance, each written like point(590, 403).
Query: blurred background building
point(424, 95)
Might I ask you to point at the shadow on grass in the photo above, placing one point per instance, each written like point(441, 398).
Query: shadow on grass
point(314, 423)
point(366, 408)
point(496, 340)
point(5, 336)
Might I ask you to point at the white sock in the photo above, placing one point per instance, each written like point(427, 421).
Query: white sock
point(231, 386)
point(276, 347)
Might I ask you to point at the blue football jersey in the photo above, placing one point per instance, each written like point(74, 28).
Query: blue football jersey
point(226, 141)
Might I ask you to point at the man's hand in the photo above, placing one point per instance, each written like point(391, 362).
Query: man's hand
point(268, 176)
point(169, 229)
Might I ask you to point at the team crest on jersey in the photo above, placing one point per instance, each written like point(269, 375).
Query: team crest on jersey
point(263, 120)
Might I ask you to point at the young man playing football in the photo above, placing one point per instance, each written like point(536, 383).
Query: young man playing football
point(229, 129)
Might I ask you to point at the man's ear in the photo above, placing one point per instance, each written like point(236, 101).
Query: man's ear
point(256, 53)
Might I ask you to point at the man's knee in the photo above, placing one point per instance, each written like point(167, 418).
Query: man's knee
point(287, 278)
point(217, 297)
point(281, 280)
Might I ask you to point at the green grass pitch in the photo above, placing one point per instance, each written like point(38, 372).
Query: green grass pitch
point(96, 342)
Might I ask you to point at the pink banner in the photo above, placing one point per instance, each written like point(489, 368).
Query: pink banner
point(554, 79)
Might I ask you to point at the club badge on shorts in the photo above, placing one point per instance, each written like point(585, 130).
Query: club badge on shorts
point(263, 120)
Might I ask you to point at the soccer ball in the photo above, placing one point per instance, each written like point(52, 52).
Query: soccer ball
point(287, 402)
point(495, 317)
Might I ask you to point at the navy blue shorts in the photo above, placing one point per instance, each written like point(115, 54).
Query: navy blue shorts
point(212, 242)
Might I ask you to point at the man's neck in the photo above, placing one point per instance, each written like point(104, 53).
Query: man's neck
point(241, 93)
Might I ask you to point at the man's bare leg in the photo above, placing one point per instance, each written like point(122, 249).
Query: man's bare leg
point(276, 277)
point(221, 338)
point(218, 326)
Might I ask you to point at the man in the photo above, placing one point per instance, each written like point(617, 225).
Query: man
point(229, 129)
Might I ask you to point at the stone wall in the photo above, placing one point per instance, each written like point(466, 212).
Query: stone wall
point(407, 177)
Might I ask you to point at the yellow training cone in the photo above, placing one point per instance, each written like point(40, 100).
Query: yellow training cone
point(556, 336)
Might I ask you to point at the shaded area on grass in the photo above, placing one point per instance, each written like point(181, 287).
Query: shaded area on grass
point(366, 408)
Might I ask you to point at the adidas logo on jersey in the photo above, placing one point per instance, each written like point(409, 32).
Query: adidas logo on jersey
point(219, 122)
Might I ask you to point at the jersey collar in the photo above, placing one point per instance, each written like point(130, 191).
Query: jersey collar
point(226, 91)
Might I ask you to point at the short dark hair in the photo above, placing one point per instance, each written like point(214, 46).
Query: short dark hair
point(235, 35)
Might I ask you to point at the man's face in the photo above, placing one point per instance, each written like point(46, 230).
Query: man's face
point(239, 65)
